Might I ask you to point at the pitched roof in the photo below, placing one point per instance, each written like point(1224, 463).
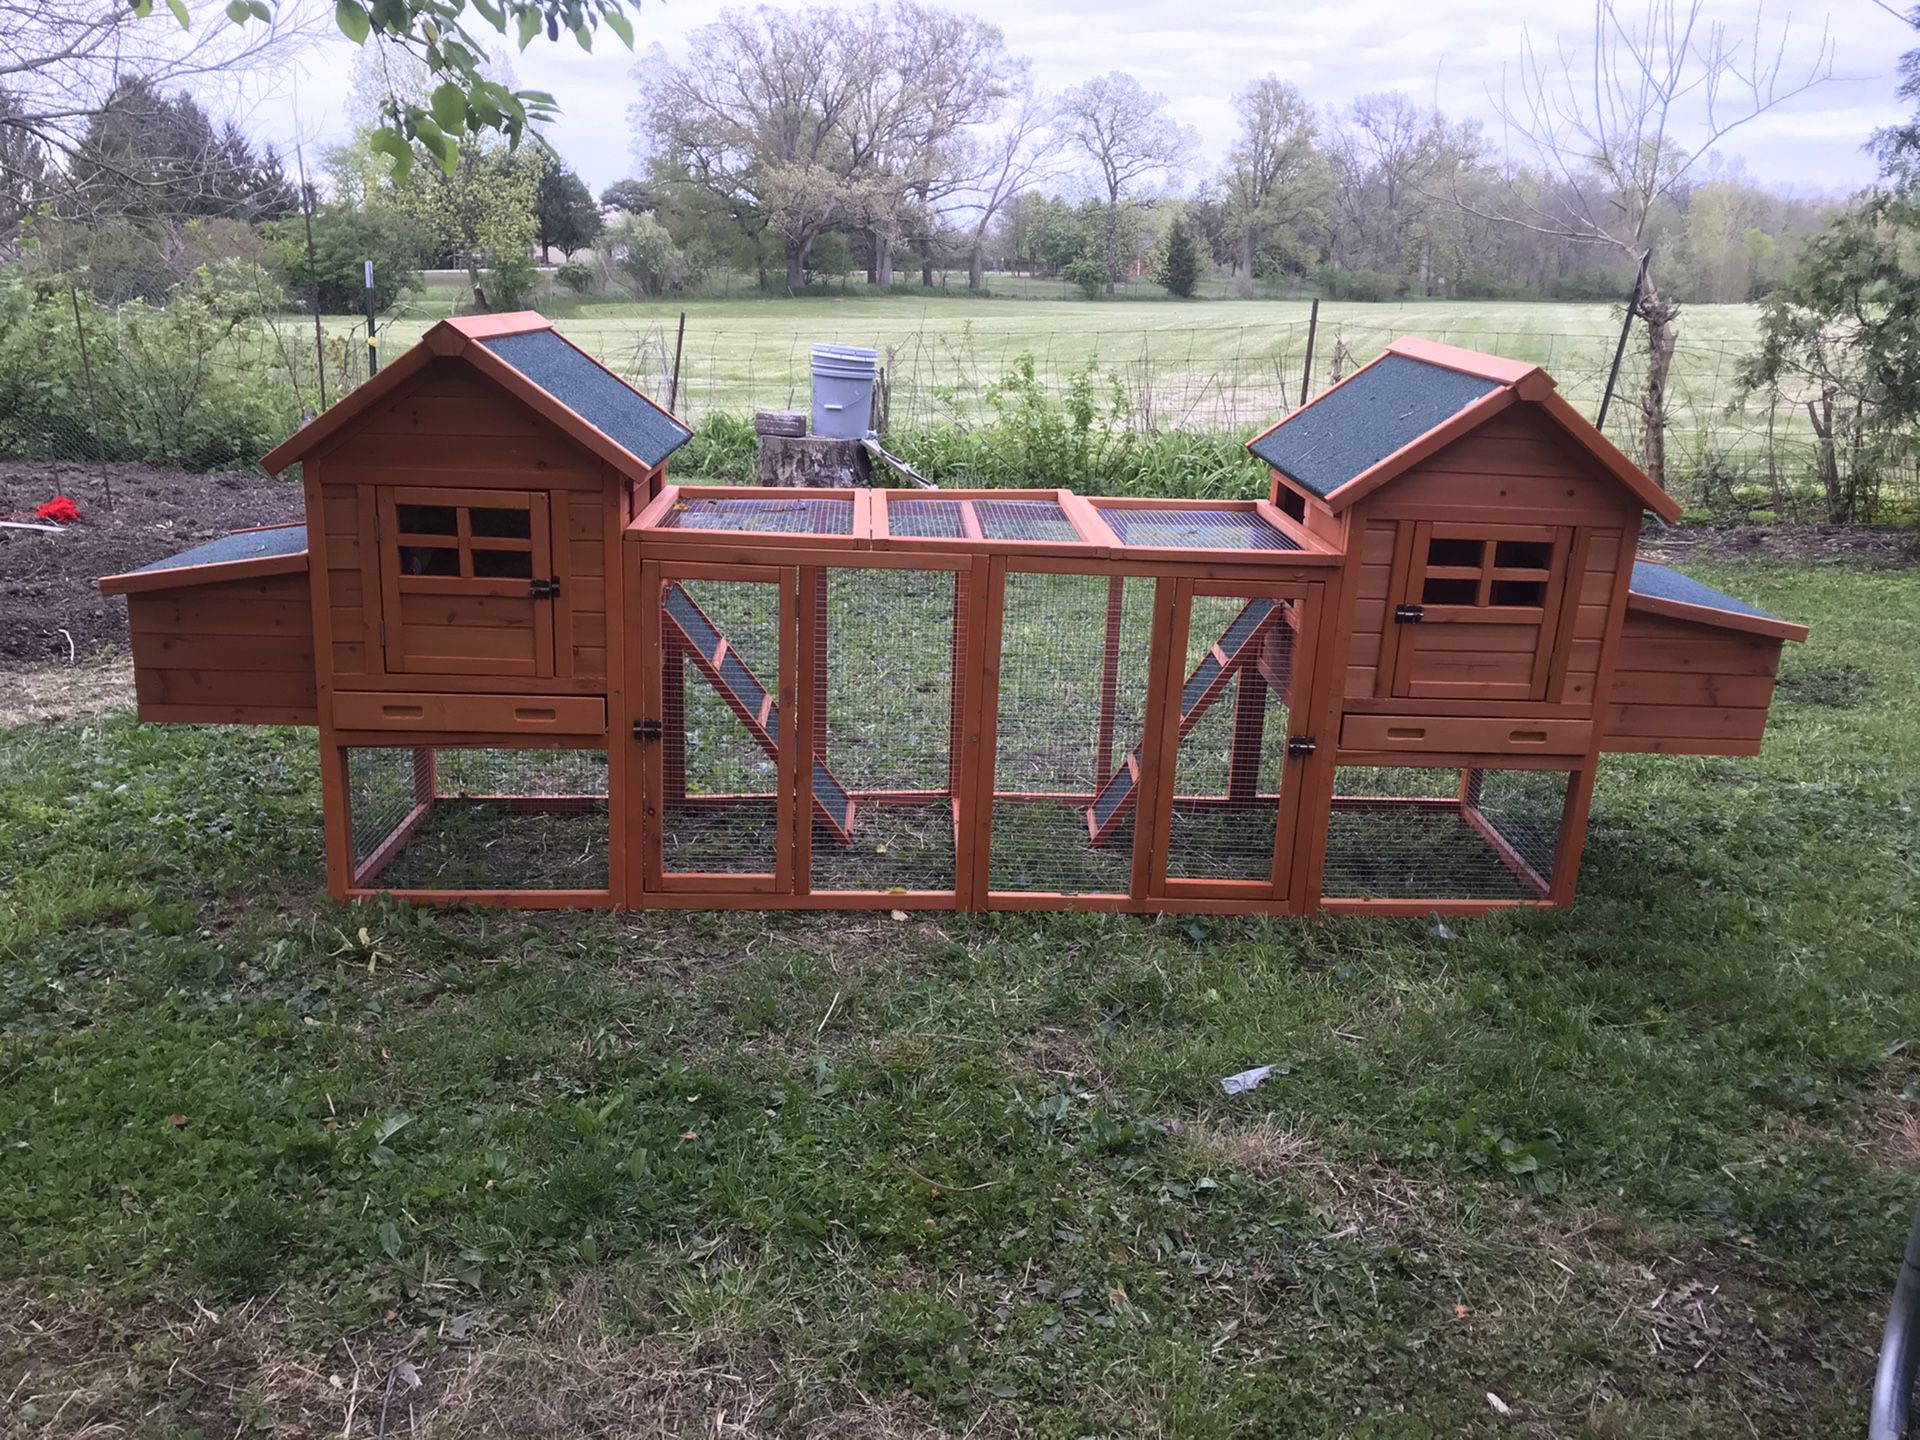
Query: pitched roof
point(1660, 591)
point(523, 353)
point(593, 392)
point(1359, 423)
point(1410, 401)
point(280, 549)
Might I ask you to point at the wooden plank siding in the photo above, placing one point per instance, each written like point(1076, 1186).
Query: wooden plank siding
point(239, 653)
point(1680, 688)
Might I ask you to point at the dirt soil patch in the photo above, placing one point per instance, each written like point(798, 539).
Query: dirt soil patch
point(1813, 544)
point(47, 581)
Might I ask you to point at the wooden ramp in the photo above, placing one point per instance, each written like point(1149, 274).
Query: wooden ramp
point(1236, 648)
point(735, 682)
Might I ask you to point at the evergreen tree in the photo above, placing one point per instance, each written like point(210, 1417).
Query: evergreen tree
point(1180, 266)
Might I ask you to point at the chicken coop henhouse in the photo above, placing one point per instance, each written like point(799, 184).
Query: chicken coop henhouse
point(542, 675)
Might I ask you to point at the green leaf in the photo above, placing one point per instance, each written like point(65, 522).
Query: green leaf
point(450, 107)
point(388, 141)
point(261, 10)
point(352, 20)
point(584, 36)
point(493, 14)
point(179, 9)
point(590, 1250)
point(142, 9)
point(390, 1239)
point(434, 141)
point(237, 11)
point(620, 26)
point(529, 27)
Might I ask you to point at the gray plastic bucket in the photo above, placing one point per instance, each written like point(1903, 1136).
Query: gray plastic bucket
point(843, 390)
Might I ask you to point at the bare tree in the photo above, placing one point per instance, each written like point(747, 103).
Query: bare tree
point(1126, 131)
point(1619, 127)
point(1274, 176)
point(1024, 153)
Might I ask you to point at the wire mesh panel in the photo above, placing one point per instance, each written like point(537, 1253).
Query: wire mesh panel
point(478, 820)
point(1072, 708)
point(926, 519)
point(1195, 528)
point(1412, 833)
point(720, 726)
point(800, 515)
point(892, 649)
point(1037, 520)
point(1231, 760)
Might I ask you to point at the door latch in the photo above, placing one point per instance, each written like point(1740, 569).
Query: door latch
point(543, 589)
point(1408, 614)
point(1300, 746)
point(646, 729)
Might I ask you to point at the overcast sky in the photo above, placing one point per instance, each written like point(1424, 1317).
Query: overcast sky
point(1449, 52)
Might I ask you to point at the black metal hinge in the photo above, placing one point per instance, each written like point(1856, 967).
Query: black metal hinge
point(646, 729)
point(543, 589)
point(1301, 746)
point(1408, 614)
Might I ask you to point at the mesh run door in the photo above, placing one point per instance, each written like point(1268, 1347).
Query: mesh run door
point(719, 769)
point(1228, 782)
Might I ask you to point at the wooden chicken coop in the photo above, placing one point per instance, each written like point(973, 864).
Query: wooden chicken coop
point(542, 675)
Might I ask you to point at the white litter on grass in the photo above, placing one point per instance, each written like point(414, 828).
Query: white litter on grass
point(1246, 1080)
point(1441, 931)
point(1500, 1407)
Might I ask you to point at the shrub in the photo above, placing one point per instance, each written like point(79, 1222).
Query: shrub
point(647, 260)
point(1089, 273)
point(511, 282)
point(576, 277)
point(345, 237)
point(1363, 285)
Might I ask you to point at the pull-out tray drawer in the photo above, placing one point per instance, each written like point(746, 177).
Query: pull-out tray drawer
point(485, 714)
point(1464, 735)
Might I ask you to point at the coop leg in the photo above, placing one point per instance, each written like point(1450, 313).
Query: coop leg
point(425, 776)
point(813, 586)
point(957, 682)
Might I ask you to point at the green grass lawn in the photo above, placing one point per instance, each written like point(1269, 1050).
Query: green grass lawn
point(1201, 364)
point(1642, 1167)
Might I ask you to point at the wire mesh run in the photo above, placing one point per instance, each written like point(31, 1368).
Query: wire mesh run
point(800, 515)
point(1195, 528)
point(444, 818)
point(889, 727)
point(1231, 762)
point(720, 727)
point(1073, 692)
point(1411, 833)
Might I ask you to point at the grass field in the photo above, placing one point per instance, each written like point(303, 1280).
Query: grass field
point(1203, 364)
point(1643, 1167)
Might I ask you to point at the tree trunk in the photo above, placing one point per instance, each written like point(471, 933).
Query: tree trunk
point(1113, 239)
point(1660, 314)
point(1249, 243)
point(1839, 504)
point(882, 260)
point(797, 263)
point(976, 267)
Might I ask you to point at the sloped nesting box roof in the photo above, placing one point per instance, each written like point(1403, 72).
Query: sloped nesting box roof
point(592, 392)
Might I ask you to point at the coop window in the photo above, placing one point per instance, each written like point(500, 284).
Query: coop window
point(465, 541)
point(1487, 572)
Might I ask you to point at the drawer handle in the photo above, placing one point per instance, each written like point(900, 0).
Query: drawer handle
point(531, 713)
point(1406, 732)
point(1527, 737)
point(403, 712)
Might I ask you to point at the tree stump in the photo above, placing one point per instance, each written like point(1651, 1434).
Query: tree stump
point(791, 458)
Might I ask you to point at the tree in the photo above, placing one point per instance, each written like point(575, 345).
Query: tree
point(1180, 263)
point(1275, 177)
point(1129, 137)
point(1841, 335)
point(1619, 129)
point(564, 212)
point(1024, 152)
point(345, 237)
point(23, 173)
point(630, 197)
point(475, 217)
point(648, 261)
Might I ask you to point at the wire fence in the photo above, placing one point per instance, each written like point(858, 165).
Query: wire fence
point(1730, 452)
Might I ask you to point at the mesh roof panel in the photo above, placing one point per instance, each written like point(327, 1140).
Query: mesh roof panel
point(925, 519)
point(1196, 529)
point(797, 516)
point(599, 397)
point(1040, 520)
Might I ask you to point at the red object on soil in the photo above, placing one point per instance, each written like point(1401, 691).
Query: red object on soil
point(60, 510)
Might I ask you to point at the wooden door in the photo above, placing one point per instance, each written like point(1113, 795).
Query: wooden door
point(467, 582)
point(1232, 715)
point(1477, 610)
point(720, 768)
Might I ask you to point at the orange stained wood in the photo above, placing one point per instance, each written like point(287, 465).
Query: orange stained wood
point(239, 652)
point(508, 714)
